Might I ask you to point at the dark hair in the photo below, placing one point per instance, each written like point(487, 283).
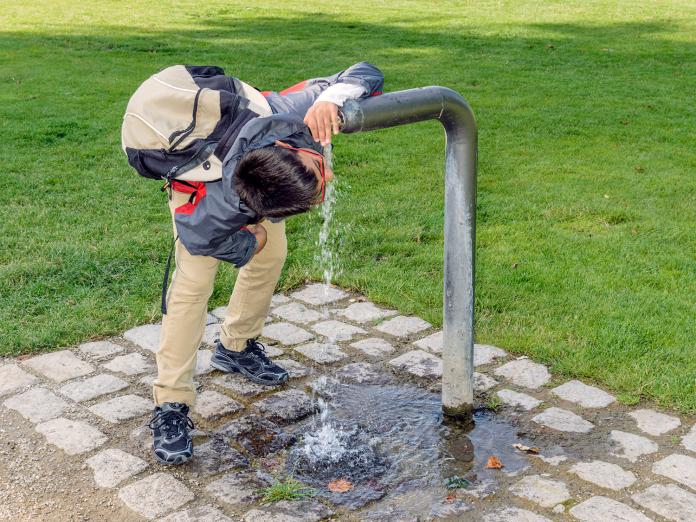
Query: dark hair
point(273, 182)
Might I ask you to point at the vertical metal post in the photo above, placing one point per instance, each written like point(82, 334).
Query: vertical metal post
point(448, 107)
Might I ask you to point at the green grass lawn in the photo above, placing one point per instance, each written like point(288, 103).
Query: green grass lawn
point(587, 172)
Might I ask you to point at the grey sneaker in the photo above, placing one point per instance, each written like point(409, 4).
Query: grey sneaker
point(252, 362)
point(171, 442)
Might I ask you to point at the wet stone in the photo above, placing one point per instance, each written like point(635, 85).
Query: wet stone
point(287, 511)
point(297, 313)
point(419, 363)
point(374, 347)
point(239, 385)
point(554, 460)
point(653, 422)
point(286, 333)
point(403, 326)
point(113, 466)
point(198, 514)
point(688, 440)
point(337, 331)
point(483, 382)
point(13, 378)
point(257, 435)
point(73, 437)
point(286, 406)
point(524, 372)
point(122, 408)
point(584, 395)
point(212, 405)
point(216, 456)
point(203, 362)
point(518, 400)
point(130, 364)
point(155, 495)
point(361, 373)
point(295, 370)
point(563, 420)
point(680, 468)
point(364, 312)
point(486, 354)
point(93, 387)
point(319, 294)
point(631, 446)
point(59, 366)
point(432, 342)
point(514, 514)
point(445, 509)
point(100, 349)
point(542, 491)
point(670, 501)
point(239, 488)
point(321, 352)
point(37, 405)
point(605, 509)
point(604, 474)
point(145, 336)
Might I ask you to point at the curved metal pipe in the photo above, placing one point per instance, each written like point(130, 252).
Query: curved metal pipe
point(448, 107)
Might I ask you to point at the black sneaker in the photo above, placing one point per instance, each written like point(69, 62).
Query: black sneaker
point(171, 441)
point(252, 362)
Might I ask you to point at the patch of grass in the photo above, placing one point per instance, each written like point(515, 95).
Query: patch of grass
point(494, 403)
point(287, 489)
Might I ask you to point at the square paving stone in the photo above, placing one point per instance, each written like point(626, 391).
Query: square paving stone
point(218, 313)
point(681, 468)
point(524, 372)
point(670, 501)
point(198, 514)
point(73, 437)
point(130, 364)
point(257, 435)
point(432, 342)
point(155, 495)
point(653, 422)
point(419, 363)
point(203, 362)
point(514, 514)
point(563, 420)
point(297, 313)
point(689, 440)
point(216, 456)
point(374, 347)
point(286, 333)
point(100, 349)
point(240, 386)
point(239, 488)
point(604, 474)
point(486, 354)
point(122, 408)
point(287, 511)
point(483, 382)
point(87, 389)
point(365, 312)
point(113, 466)
point(584, 395)
point(319, 294)
point(279, 299)
point(286, 406)
point(146, 336)
point(362, 372)
point(403, 326)
point(321, 352)
point(543, 491)
point(603, 509)
point(59, 366)
point(337, 331)
point(518, 400)
point(13, 378)
point(211, 334)
point(37, 404)
point(295, 370)
point(631, 446)
point(212, 405)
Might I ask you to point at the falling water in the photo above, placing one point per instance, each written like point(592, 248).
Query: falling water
point(325, 257)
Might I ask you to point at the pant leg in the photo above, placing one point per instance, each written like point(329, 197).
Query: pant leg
point(253, 290)
point(183, 325)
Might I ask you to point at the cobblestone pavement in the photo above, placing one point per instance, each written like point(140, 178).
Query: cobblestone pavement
point(74, 443)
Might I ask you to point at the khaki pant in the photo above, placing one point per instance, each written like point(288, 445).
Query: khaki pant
point(187, 308)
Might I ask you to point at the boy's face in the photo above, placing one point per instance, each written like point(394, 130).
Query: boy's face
point(314, 162)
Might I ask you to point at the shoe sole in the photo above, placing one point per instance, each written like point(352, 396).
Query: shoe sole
point(247, 374)
point(181, 459)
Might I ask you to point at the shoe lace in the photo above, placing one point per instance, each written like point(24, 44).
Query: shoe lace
point(171, 422)
point(258, 349)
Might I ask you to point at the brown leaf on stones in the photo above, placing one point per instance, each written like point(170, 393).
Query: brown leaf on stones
point(450, 498)
point(526, 449)
point(494, 462)
point(339, 486)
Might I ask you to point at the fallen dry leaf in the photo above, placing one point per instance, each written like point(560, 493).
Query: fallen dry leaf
point(494, 462)
point(526, 449)
point(450, 498)
point(339, 486)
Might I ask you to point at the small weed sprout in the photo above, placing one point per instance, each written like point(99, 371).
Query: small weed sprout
point(287, 489)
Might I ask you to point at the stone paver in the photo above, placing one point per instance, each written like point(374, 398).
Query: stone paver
point(257, 435)
point(297, 313)
point(122, 408)
point(219, 313)
point(73, 437)
point(146, 336)
point(37, 405)
point(216, 456)
point(403, 326)
point(681, 468)
point(374, 347)
point(419, 363)
point(59, 366)
point(289, 511)
point(360, 372)
point(93, 387)
point(322, 352)
point(514, 514)
point(319, 294)
point(155, 495)
point(295, 370)
point(486, 354)
point(631, 446)
point(596, 509)
point(584, 395)
point(198, 514)
point(563, 420)
point(100, 349)
point(524, 372)
point(286, 333)
point(129, 364)
point(113, 466)
point(688, 440)
point(211, 334)
point(365, 312)
point(670, 501)
point(279, 299)
point(239, 385)
point(432, 342)
point(604, 474)
point(518, 400)
point(483, 382)
point(203, 362)
point(337, 331)
point(13, 378)
point(212, 405)
point(238, 488)
point(653, 422)
point(543, 491)
point(286, 406)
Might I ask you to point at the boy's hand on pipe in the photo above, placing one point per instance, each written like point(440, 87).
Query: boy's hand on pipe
point(260, 234)
point(322, 120)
